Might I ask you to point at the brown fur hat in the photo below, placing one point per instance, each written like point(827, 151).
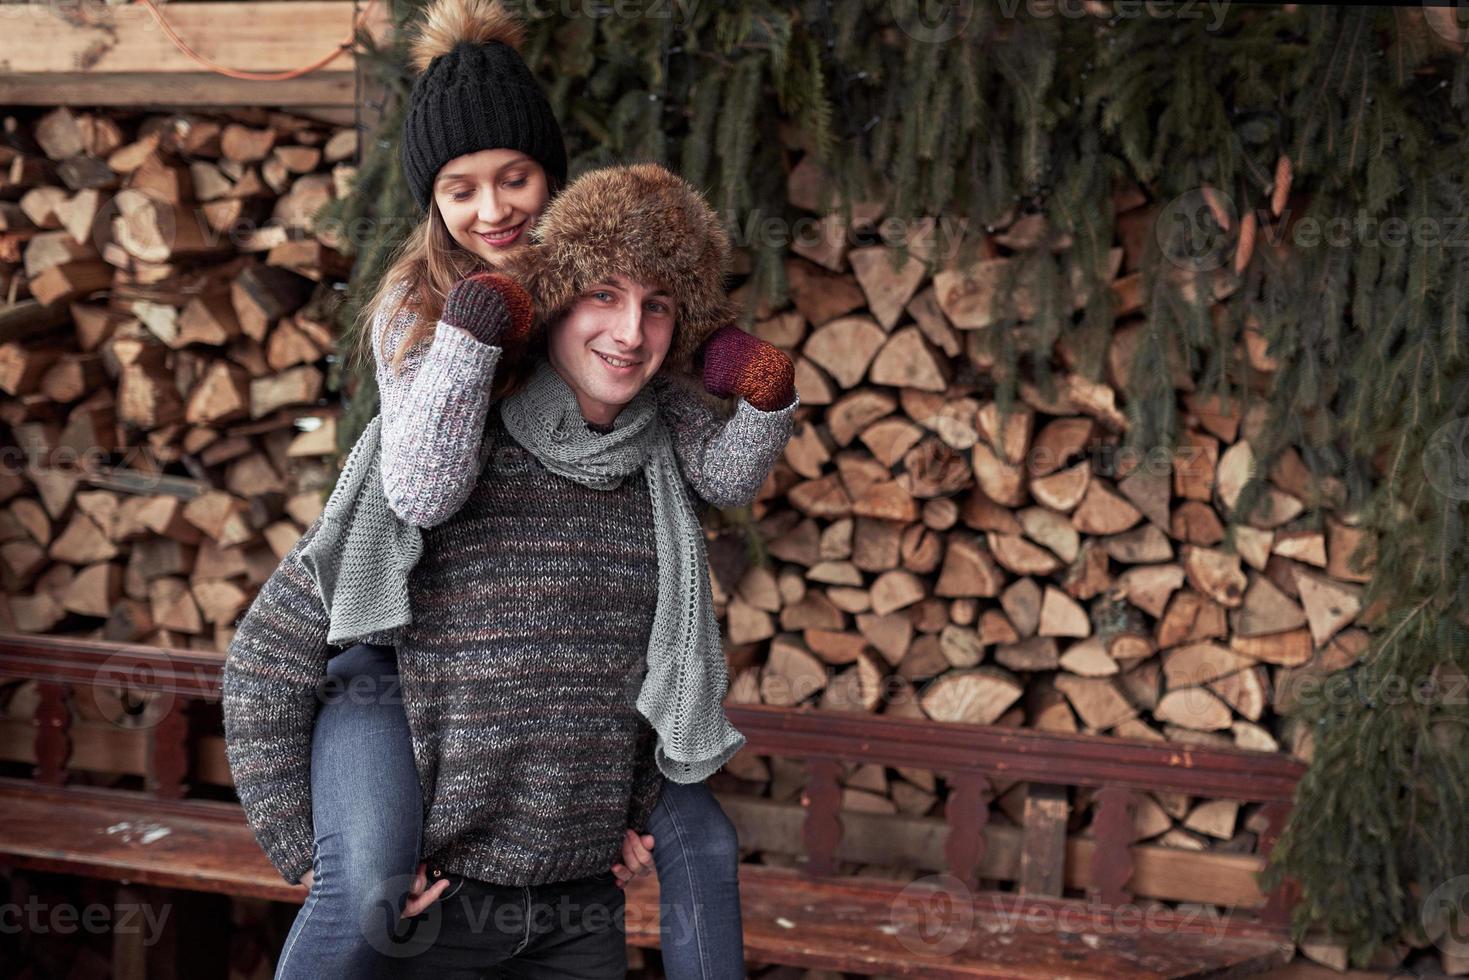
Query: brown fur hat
point(641, 221)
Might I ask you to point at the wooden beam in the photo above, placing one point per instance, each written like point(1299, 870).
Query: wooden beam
point(121, 57)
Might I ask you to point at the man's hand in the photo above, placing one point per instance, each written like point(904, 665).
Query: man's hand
point(418, 899)
point(637, 857)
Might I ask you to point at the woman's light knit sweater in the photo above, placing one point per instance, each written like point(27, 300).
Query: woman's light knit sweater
point(532, 605)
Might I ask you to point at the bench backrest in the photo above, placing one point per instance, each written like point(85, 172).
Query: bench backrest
point(970, 757)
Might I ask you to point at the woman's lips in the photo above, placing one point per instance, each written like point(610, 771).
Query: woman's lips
point(504, 238)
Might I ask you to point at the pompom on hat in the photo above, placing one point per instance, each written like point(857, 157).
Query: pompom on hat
point(641, 221)
point(474, 93)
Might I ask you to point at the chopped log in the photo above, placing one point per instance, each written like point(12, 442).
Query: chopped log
point(1288, 649)
point(1048, 528)
point(858, 688)
point(1265, 609)
point(1103, 512)
point(1057, 442)
point(961, 647)
point(850, 416)
point(1329, 605)
point(95, 590)
point(263, 294)
point(1062, 615)
point(822, 296)
point(895, 590)
point(243, 144)
point(1001, 481)
point(59, 135)
point(1190, 617)
point(907, 360)
point(1097, 701)
point(1020, 556)
point(1034, 653)
point(82, 543)
point(172, 605)
point(1216, 574)
point(22, 369)
point(1194, 463)
point(845, 348)
point(1195, 708)
point(1089, 658)
point(1022, 604)
point(1343, 541)
point(68, 281)
point(1064, 490)
point(977, 696)
point(297, 386)
point(154, 230)
point(1010, 438)
point(221, 516)
point(1304, 546)
point(1244, 691)
point(887, 288)
point(1199, 663)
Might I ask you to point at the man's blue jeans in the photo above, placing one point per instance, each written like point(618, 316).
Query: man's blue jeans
point(368, 811)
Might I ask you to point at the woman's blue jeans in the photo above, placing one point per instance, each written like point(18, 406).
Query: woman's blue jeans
point(368, 810)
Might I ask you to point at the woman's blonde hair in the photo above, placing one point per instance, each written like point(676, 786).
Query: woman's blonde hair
point(430, 262)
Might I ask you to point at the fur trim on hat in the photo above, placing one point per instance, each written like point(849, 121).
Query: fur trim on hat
point(641, 221)
point(448, 22)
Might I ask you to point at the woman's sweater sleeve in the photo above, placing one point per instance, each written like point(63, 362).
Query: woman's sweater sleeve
point(725, 460)
point(433, 412)
point(272, 670)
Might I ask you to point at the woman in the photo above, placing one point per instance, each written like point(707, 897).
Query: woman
point(360, 749)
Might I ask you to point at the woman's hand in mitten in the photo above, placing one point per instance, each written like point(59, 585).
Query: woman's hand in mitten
point(495, 309)
point(738, 364)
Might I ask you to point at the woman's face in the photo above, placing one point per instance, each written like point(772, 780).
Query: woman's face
point(627, 321)
point(490, 199)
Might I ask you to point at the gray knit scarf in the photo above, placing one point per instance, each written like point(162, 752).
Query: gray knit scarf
point(362, 554)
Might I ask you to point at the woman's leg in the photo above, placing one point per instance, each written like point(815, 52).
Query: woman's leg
point(697, 855)
point(367, 810)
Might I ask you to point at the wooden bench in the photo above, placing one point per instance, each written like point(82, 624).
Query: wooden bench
point(1073, 913)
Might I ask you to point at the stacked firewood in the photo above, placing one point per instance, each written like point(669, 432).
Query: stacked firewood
point(167, 320)
point(935, 557)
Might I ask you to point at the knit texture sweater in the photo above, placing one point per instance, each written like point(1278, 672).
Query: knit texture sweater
point(532, 606)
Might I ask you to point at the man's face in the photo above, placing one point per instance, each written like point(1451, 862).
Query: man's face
point(610, 343)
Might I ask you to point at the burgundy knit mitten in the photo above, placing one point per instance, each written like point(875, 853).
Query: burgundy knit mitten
point(494, 308)
point(735, 363)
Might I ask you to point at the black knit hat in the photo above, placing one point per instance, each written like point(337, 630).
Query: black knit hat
point(475, 93)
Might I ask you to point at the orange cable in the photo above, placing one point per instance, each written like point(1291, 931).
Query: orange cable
point(255, 76)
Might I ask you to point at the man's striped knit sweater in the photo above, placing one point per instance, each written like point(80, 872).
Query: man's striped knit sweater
point(532, 606)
